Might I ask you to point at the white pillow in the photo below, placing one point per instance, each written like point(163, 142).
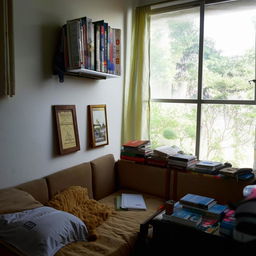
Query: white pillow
point(41, 231)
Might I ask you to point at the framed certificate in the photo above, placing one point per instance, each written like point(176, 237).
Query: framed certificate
point(67, 128)
point(98, 127)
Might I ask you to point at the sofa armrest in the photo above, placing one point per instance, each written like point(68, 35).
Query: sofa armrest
point(103, 176)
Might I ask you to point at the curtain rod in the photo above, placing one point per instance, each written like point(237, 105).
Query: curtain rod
point(170, 1)
point(157, 3)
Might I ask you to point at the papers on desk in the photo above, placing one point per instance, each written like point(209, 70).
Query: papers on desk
point(132, 202)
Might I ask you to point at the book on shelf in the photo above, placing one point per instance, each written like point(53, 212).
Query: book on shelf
point(209, 225)
point(182, 157)
point(198, 201)
point(181, 163)
point(216, 211)
point(117, 51)
point(228, 223)
point(213, 171)
point(208, 164)
point(166, 151)
point(100, 57)
point(245, 176)
point(234, 172)
point(92, 45)
point(183, 216)
point(74, 43)
point(133, 158)
point(133, 202)
point(157, 162)
point(136, 143)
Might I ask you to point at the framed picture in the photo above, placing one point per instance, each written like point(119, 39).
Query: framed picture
point(67, 128)
point(98, 128)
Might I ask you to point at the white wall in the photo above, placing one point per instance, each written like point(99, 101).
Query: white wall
point(27, 140)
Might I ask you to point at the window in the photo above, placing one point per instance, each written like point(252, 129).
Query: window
point(202, 79)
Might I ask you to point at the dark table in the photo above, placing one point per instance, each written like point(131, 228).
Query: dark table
point(170, 238)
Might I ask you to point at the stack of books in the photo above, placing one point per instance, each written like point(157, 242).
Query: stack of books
point(91, 45)
point(130, 202)
point(136, 150)
point(183, 216)
point(159, 156)
point(238, 173)
point(197, 211)
point(208, 167)
point(182, 161)
point(206, 206)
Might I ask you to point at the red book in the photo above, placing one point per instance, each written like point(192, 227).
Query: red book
point(133, 158)
point(136, 143)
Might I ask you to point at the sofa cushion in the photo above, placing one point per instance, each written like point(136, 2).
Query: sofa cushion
point(41, 231)
point(103, 173)
point(37, 188)
point(79, 175)
point(118, 234)
point(15, 200)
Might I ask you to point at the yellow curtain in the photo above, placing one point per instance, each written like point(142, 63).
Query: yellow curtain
point(136, 91)
point(7, 87)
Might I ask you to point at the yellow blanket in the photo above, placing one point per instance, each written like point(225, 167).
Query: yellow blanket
point(75, 200)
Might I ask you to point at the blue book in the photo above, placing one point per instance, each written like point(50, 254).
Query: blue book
point(216, 211)
point(184, 216)
point(198, 201)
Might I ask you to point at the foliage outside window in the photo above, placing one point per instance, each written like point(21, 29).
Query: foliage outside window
point(202, 61)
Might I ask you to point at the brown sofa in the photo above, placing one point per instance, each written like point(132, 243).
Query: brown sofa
point(105, 179)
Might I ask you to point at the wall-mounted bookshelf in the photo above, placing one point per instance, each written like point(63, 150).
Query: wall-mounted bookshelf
point(89, 74)
point(89, 49)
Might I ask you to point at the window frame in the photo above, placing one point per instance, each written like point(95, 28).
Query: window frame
point(199, 102)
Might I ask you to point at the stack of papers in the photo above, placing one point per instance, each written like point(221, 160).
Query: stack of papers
point(132, 202)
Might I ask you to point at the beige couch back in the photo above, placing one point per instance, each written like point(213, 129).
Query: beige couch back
point(144, 178)
point(98, 176)
point(79, 175)
point(37, 188)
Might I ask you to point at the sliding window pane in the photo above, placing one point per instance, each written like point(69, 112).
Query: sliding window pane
point(174, 47)
point(173, 124)
point(229, 51)
point(228, 134)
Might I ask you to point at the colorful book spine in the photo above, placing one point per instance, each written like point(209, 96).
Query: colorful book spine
point(74, 43)
point(92, 45)
point(118, 51)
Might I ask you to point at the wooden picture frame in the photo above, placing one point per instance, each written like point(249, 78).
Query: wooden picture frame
point(98, 127)
point(67, 128)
